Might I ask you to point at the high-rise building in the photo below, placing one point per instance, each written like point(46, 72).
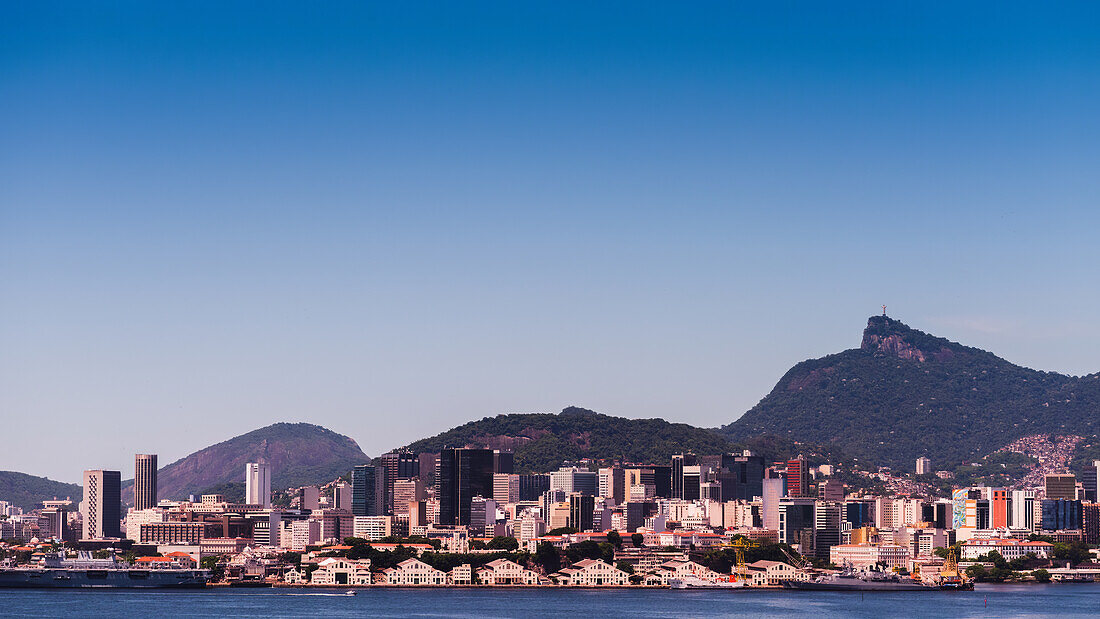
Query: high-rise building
point(924, 466)
point(573, 479)
point(1022, 510)
point(102, 507)
point(145, 481)
point(1090, 522)
point(1061, 487)
point(257, 484)
point(504, 461)
point(828, 516)
point(662, 480)
point(532, 485)
point(366, 490)
point(679, 461)
point(742, 477)
point(482, 516)
point(692, 480)
point(998, 508)
point(462, 474)
point(796, 516)
point(771, 495)
point(798, 478)
point(311, 498)
point(612, 484)
point(406, 491)
point(581, 508)
point(505, 488)
point(1096, 465)
point(342, 496)
point(1060, 514)
point(397, 465)
point(831, 490)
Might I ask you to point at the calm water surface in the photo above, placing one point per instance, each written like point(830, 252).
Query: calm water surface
point(987, 601)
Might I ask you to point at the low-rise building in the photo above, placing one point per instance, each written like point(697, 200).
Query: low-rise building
point(505, 572)
point(340, 571)
point(413, 572)
point(773, 573)
point(591, 573)
point(1008, 548)
point(214, 546)
point(681, 569)
point(461, 575)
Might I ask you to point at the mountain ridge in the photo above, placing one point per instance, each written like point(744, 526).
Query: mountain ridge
point(905, 393)
point(299, 454)
point(542, 441)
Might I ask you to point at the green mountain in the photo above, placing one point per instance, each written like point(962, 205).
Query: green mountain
point(542, 441)
point(299, 454)
point(904, 393)
point(27, 491)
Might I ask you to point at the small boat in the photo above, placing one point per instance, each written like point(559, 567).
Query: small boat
point(349, 592)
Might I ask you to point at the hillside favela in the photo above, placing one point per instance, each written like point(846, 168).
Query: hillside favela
point(852, 475)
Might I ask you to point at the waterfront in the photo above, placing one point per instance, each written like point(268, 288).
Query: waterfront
point(986, 601)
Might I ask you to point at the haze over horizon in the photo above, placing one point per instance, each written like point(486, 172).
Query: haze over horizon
point(391, 220)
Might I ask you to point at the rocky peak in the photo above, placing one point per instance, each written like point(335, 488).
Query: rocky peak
point(887, 336)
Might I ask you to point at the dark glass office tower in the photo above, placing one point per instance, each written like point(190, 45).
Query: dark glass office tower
point(461, 475)
point(366, 490)
point(679, 461)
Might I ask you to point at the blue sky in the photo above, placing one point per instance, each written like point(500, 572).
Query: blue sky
point(389, 220)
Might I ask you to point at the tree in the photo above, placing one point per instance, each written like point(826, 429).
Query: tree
point(637, 539)
point(615, 539)
point(624, 566)
point(977, 572)
point(502, 542)
point(546, 556)
point(587, 549)
point(1041, 575)
point(214, 565)
point(562, 531)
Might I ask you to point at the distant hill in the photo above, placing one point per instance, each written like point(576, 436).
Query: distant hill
point(27, 491)
point(543, 440)
point(299, 454)
point(904, 393)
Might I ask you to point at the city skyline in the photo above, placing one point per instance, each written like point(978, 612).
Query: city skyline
point(385, 219)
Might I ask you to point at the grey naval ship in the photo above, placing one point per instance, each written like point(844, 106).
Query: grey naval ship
point(861, 580)
point(54, 571)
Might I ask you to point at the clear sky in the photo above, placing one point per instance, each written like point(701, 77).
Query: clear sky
point(392, 219)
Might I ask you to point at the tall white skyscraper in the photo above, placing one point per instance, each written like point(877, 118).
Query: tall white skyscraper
point(257, 484)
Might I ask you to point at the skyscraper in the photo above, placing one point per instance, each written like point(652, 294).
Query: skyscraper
point(1061, 487)
point(102, 510)
point(745, 477)
point(367, 489)
point(397, 465)
point(798, 478)
point(504, 461)
point(462, 474)
point(613, 484)
point(145, 481)
point(257, 484)
point(679, 461)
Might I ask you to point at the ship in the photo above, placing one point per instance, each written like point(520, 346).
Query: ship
point(55, 571)
point(859, 580)
point(694, 582)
